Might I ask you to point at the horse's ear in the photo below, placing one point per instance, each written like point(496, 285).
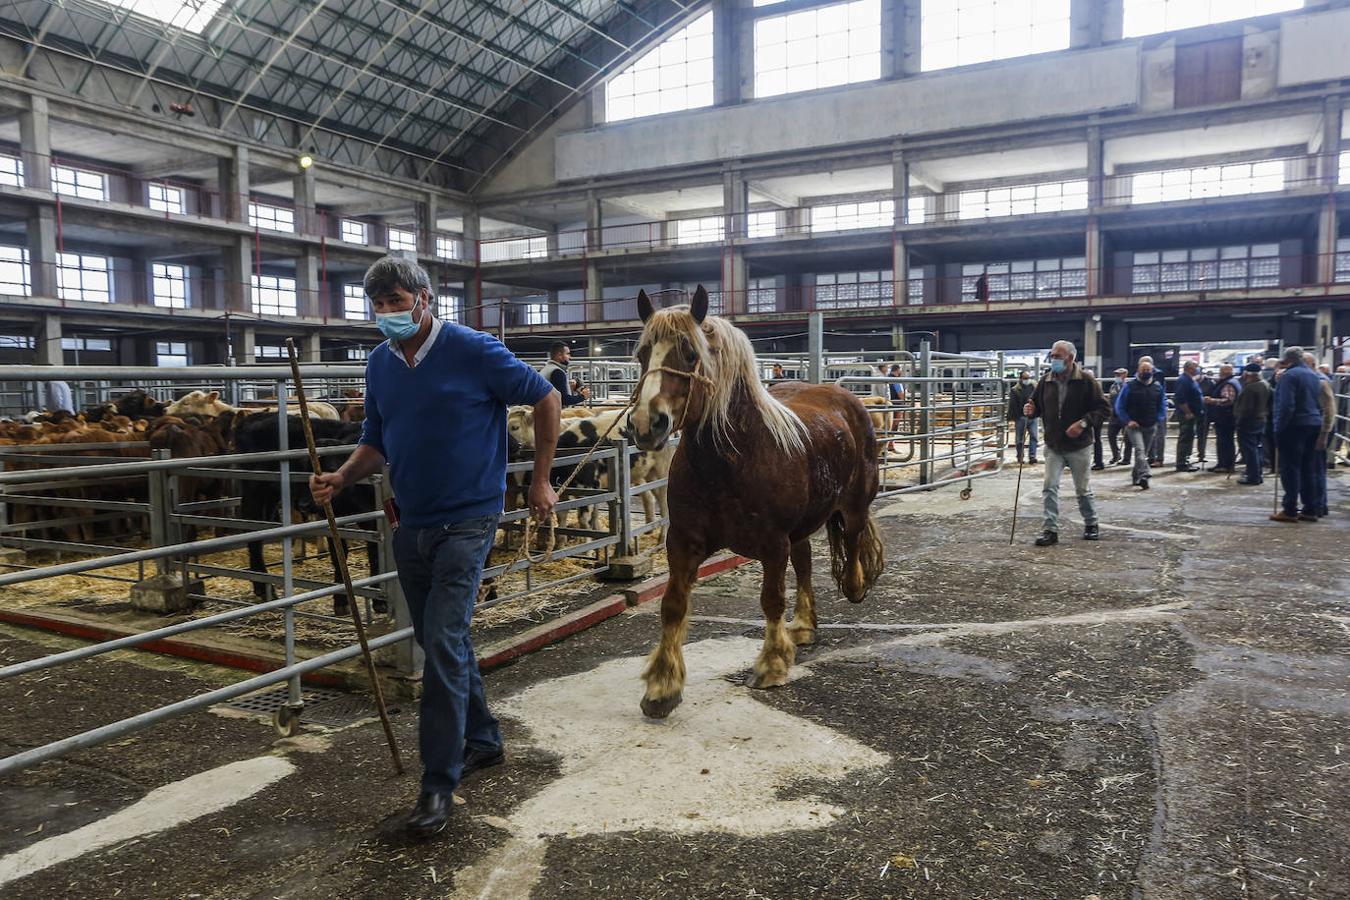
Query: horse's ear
point(699, 305)
point(644, 305)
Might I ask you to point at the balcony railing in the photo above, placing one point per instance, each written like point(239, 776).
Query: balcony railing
point(180, 200)
point(1067, 288)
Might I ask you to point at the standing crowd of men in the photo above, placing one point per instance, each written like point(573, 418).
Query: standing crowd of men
point(1273, 416)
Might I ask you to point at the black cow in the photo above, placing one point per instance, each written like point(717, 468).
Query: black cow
point(261, 500)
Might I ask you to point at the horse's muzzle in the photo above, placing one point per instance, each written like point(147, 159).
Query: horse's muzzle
point(655, 437)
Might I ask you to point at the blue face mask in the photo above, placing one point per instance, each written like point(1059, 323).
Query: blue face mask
point(1146, 377)
point(398, 326)
point(1057, 366)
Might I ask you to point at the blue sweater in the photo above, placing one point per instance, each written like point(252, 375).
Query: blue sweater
point(1298, 393)
point(442, 425)
point(1188, 392)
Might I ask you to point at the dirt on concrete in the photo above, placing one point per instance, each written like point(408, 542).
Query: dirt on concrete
point(1161, 714)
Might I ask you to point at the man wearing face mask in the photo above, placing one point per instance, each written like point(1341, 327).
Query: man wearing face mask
point(1070, 403)
point(436, 398)
point(1025, 425)
point(1142, 407)
point(1115, 425)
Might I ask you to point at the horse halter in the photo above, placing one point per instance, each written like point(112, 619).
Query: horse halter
point(694, 376)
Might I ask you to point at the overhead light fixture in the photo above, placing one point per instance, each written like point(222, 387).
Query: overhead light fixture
point(306, 161)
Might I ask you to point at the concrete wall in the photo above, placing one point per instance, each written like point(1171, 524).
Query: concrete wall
point(1058, 84)
point(1314, 48)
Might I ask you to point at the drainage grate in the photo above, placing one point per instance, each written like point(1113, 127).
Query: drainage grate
point(340, 712)
point(269, 701)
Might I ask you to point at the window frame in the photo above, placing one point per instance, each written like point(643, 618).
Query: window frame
point(658, 69)
point(278, 291)
point(167, 279)
point(80, 289)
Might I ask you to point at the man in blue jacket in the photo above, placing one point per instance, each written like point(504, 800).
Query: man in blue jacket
point(1298, 426)
point(1142, 407)
point(436, 398)
point(1190, 405)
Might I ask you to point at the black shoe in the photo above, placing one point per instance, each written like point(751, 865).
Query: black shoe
point(1245, 481)
point(1221, 470)
point(478, 760)
point(431, 814)
point(1307, 517)
point(1143, 484)
point(1097, 467)
point(1090, 533)
point(1115, 461)
point(1031, 461)
point(1048, 539)
point(1187, 467)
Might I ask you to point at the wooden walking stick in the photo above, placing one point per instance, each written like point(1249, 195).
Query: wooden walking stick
point(340, 560)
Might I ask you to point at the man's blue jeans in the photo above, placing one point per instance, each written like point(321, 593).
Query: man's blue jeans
point(1026, 428)
point(1079, 463)
point(1297, 445)
point(439, 569)
point(1251, 437)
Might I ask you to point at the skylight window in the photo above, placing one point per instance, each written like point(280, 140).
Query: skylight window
point(1154, 16)
point(189, 15)
point(964, 32)
point(676, 74)
point(817, 48)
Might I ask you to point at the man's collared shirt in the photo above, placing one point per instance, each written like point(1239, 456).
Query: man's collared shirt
point(423, 350)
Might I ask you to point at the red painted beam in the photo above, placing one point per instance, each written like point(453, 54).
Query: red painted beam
point(166, 646)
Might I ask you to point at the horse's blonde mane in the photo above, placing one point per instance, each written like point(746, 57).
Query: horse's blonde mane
point(727, 359)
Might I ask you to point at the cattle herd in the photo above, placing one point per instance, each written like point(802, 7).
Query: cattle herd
point(201, 424)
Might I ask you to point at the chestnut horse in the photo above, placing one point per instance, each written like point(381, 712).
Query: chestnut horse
point(757, 471)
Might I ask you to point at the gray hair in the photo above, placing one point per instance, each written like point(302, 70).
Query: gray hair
point(1188, 364)
point(1067, 345)
point(1293, 356)
point(1309, 360)
point(390, 272)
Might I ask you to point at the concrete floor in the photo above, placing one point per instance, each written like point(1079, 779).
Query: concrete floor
point(1162, 714)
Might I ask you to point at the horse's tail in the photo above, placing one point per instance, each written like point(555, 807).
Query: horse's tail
point(868, 553)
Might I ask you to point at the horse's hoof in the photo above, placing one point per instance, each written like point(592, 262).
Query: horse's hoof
point(659, 708)
point(802, 636)
point(766, 680)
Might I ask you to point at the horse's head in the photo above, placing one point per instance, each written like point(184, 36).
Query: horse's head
point(675, 357)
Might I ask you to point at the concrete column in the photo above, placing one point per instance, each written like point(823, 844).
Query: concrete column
point(1328, 227)
point(595, 294)
point(1094, 257)
point(428, 211)
point(49, 352)
point(1087, 19)
point(42, 251)
point(312, 351)
point(900, 186)
point(900, 34)
point(245, 345)
point(735, 203)
point(1096, 167)
point(735, 280)
point(303, 192)
point(238, 274)
point(900, 271)
point(232, 175)
point(897, 336)
point(309, 302)
point(35, 144)
point(1091, 355)
point(1324, 333)
point(728, 19)
point(595, 222)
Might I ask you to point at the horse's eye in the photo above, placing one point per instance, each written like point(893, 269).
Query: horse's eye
point(691, 357)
